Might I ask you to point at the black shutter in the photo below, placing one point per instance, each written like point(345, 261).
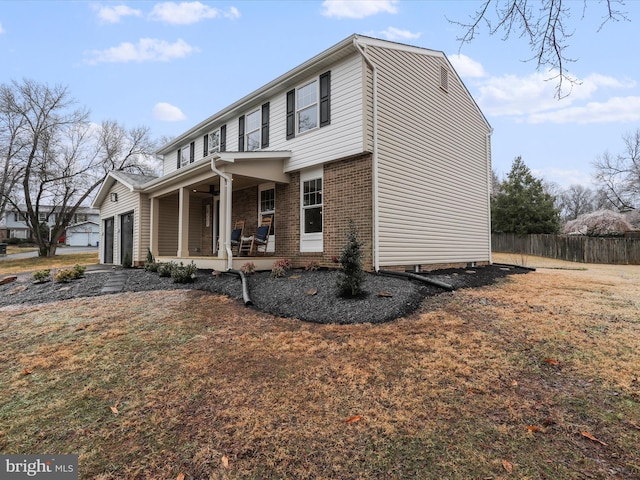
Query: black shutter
point(325, 99)
point(291, 114)
point(179, 152)
point(241, 134)
point(265, 125)
point(192, 152)
point(223, 138)
point(205, 145)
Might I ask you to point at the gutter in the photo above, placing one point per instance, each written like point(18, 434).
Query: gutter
point(376, 216)
point(227, 235)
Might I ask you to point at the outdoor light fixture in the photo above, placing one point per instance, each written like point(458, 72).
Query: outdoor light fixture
point(114, 197)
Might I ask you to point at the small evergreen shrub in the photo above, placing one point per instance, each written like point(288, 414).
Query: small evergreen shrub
point(151, 267)
point(248, 268)
point(41, 276)
point(280, 267)
point(79, 270)
point(184, 273)
point(351, 275)
point(150, 258)
point(65, 275)
point(126, 261)
point(164, 269)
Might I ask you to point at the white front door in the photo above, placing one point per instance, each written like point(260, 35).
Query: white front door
point(267, 208)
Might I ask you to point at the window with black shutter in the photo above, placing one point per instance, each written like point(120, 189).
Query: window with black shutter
point(192, 152)
point(265, 126)
point(179, 163)
point(291, 114)
point(205, 145)
point(241, 134)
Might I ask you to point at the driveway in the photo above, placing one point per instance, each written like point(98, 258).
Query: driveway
point(61, 250)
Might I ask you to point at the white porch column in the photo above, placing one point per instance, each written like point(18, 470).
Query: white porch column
point(225, 207)
point(154, 228)
point(183, 223)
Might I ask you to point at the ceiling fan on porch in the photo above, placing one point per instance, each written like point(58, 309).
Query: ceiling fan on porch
point(212, 191)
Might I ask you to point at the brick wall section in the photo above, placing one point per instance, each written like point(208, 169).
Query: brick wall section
point(347, 194)
point(245, 207)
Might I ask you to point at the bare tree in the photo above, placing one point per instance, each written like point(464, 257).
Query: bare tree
point(64, 158)
point(576, 200)
point(545, 25)
point(618, 176)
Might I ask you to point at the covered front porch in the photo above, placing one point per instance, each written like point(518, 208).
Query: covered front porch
point(194, 211)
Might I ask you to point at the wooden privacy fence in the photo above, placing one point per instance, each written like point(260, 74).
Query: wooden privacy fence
point(575, 248)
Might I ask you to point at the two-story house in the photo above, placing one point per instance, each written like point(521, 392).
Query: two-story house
point(83, 230)
point(381, 133)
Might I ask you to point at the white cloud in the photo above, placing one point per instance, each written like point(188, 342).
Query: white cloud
point(466, 66)
point(357, 8)
point(167, 112)
point(146, 50)
point(392, 33)
point(564, 178)
point(186, 13)
point(114, 14)
point(616, 109)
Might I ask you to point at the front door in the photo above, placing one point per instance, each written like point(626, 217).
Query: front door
point(267, 208)
point(126, 237)
point(107, 254)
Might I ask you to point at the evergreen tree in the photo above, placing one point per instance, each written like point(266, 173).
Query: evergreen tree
point(522, 206)
point(351, 275)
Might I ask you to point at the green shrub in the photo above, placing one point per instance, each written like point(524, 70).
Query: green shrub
point(312, 266)
point(79, 270)
point(165, 269)
point(126, 261)
point(184, 273)
point(64, 276)
point(41, 276)
point(351, 275)
point(150, 258)
point(151, 266)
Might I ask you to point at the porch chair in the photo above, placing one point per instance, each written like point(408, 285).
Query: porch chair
point(257, 243)
point(236, 236)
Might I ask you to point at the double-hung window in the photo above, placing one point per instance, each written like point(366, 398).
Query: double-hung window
point(308, 106)
point(186, 155)
point(252, 131)
point(212, 143)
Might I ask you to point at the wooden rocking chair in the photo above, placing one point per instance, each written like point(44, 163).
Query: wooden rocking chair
point(257, 243)
point(236, 236)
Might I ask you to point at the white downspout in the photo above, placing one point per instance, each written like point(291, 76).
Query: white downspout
point(490, 182)
point(227, 235)
point(376, 218)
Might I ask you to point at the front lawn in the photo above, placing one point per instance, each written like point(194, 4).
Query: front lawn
point(535, 377)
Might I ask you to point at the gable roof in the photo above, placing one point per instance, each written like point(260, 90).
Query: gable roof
point(133, 181)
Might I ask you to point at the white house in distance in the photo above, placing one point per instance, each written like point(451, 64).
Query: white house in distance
point(84, 230)
point(381, 133)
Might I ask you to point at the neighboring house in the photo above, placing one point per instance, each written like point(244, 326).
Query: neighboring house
point(16, 224)
point(377, 132)
point(84, 234)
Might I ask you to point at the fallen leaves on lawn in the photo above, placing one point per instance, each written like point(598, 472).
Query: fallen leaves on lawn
point(26, 371)
point(508, 466)
point(591, 437)
point(312, 291)
point(634, 425)
point(353, 418)
point(114, 408)
point(384, 295)
point(180, 476)
point(533, 428)
point(225, 461)
point(552, 361)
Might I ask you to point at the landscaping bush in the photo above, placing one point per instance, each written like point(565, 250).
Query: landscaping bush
point(79, 270)
point(184, 273)
point(248, 268)
point(68, 274)
point(41, 276)
point(280, 267)
point(165, 269)
point(151, 267)
point(312, 266)
point(351, 275)
point(126, 261)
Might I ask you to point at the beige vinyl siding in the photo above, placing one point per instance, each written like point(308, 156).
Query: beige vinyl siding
point(433, 164)
point(142, 240)
point(168, 226)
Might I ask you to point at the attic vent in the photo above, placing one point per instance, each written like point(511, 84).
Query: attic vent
point(444, 79)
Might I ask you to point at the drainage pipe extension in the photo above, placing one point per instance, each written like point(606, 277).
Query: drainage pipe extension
point(245, 288)
point(413, 276)
point(531, 269)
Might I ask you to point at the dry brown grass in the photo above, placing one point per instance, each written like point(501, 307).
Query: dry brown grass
point(9, 266)
point(497, 382)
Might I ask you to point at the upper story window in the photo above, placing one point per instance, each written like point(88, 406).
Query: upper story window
point(42, 217)
point(186, 155)
point(253, 130)
point(211, 143)
point(308, 106)
point(19, 217)
point(80, 217)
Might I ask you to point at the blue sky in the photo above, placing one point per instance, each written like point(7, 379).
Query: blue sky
point(170, 65)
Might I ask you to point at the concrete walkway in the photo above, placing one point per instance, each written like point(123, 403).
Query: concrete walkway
point(115, 282)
